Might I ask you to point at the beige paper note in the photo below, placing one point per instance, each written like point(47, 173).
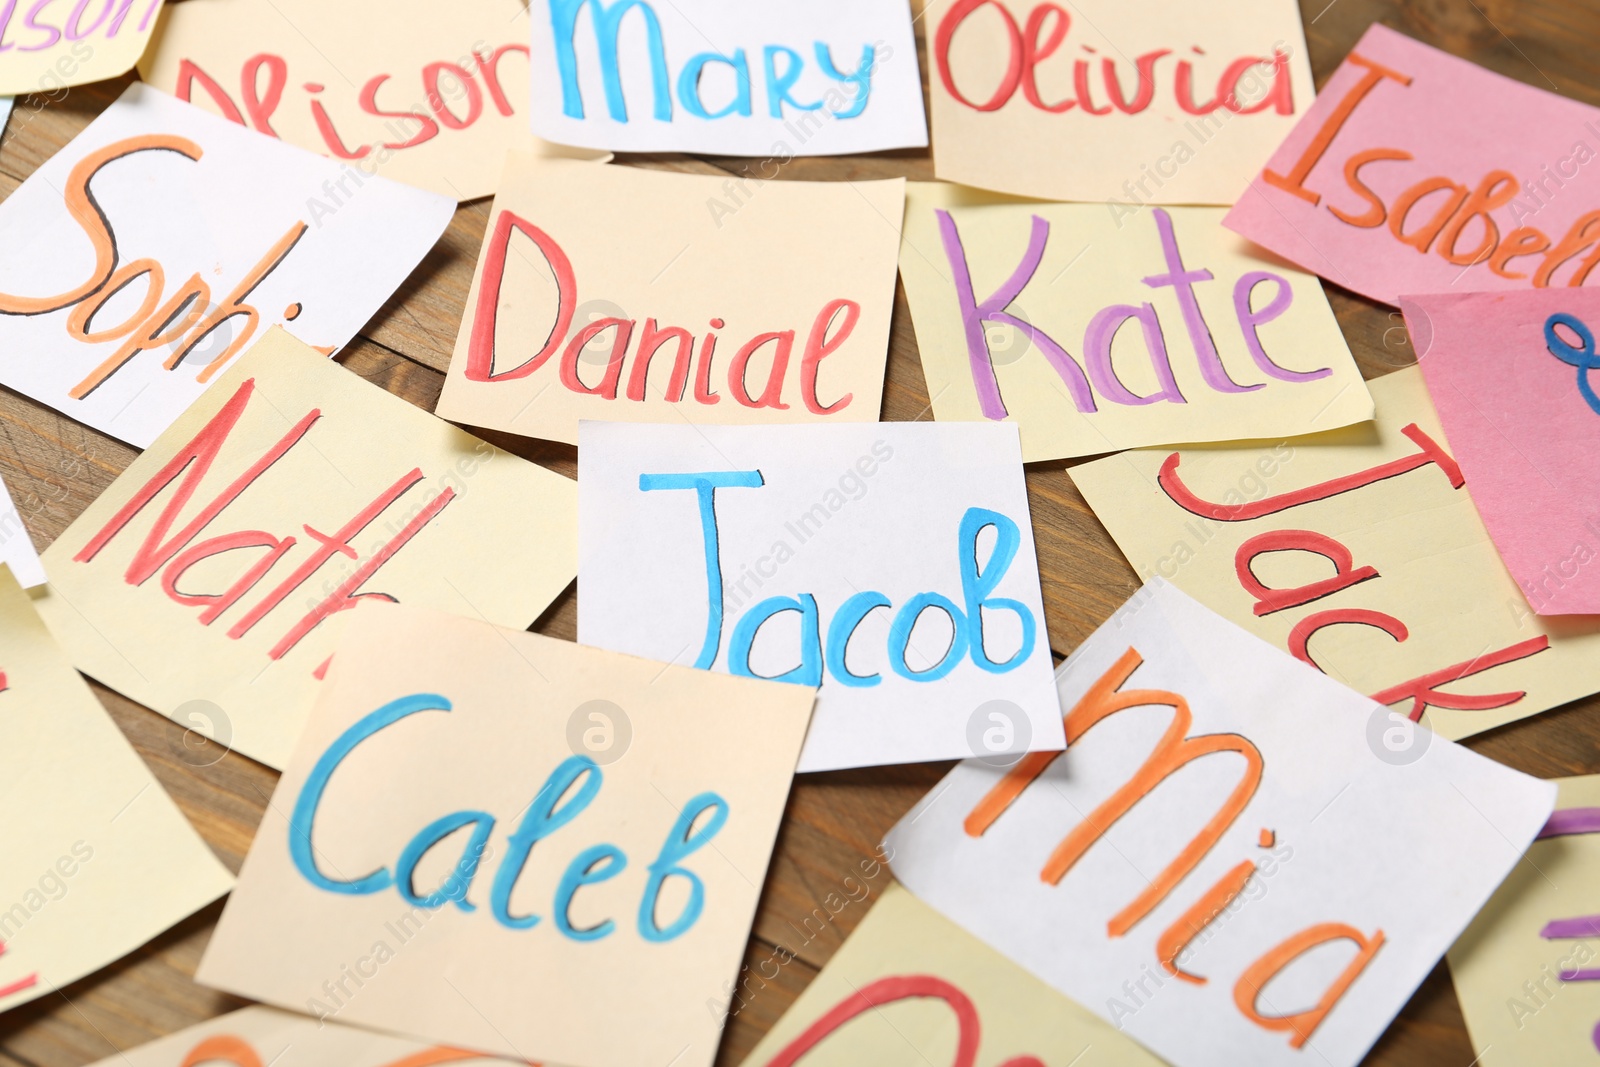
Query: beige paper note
point(523, 845)
point(1148, 102)
point(912, 988)
point(1095, 333)
point(1359, 551)
point(95, 859)
point(258, 1036)
point(429, 94)
point(48, 44)
point(1526, 970)
point(215, 569)
point(635, 295)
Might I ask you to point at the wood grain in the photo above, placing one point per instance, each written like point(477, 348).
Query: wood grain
point(55, 467)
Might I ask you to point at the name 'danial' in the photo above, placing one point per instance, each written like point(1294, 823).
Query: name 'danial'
point(829, 331)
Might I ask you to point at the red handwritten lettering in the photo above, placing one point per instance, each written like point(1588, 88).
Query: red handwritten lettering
point(771, 350)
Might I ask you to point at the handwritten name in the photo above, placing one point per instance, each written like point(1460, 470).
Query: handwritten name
point(184, 319)
point(782, 68)
point(1423, 691)
point(1433, 214)
point(171, 550)
point(1095, 375)
point(829, 331)
point(1177, 749)
point(444, 85)
point(979, 580)
point(113, 14)
point(569, 789)
point(1042, 38)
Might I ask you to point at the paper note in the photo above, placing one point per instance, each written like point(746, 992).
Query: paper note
point(1361, 553)
point(16, 547)
point(266, 1037)
point(1122, 103)
point(1095, 333)
point(911, 987)
point(95, 859)
point(50, 44)
point(429, 94)
point(455, 828)
point(776, 81)
point(891, 564)
point(1526, 970)
point(6, 104)
point(1514, 379)
point(153, 248)
point(217, 567)
point(1417, 172)
point(1292, 924)
point(645, 296)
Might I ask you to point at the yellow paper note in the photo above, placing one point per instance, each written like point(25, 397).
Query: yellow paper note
point(526, 846)
point(95, 859)
point(912, 988)
point(216, 567)
point(1155, 102)
point(265, 1037)
point(48, 44)
point(1095, 332)
point(429, 94)
point(1526, 970)
point(1358, 551)
point(644, 296)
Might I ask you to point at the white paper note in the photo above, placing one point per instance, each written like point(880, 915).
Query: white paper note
point(153, 248)
point(823, 78)
point(1238, 860)
point(16, 546)
point(854, 557)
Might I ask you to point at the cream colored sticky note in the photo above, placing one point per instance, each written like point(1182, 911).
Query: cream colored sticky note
point(912, 988)
point(1142, 102)
point(1527, 971)
point(217, 566)
point(258, 1036)
point(49, 44)
point(1358, 551)
point(429, 94)
point(633, 295)
point(453, 829)
point(1095, 329)
point(95, 859)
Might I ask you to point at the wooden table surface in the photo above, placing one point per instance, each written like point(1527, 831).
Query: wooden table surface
point(55, 467)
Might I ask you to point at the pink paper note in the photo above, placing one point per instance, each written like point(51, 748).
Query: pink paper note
point(1514, 377)
point(1417, 172)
